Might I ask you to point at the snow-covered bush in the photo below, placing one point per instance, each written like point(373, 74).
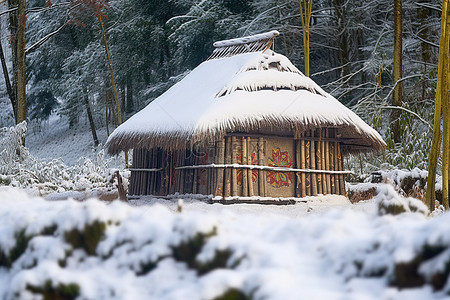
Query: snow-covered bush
point(390, 202)
point(21, 169)
point(91, 250)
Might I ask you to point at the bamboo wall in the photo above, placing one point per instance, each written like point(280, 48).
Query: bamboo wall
point(217, 168)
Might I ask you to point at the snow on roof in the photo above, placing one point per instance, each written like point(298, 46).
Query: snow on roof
point(247, 39)
point(244, 92)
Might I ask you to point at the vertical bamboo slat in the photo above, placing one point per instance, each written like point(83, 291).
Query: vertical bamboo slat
point(261, 163)
point(228, 154)
point(319, 163)
point(332, 165)
point(322, 158)
point(313, 167)
point(249, 171)
point(220, 171)
point(303, 166)
point(307, 166)
point(327, 163)
point(298, 188)
point(233, 170)
point(244, 171)
point(341, 168)
point(336, 168)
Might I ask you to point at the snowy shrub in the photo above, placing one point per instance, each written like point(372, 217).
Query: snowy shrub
point(90, 250)
point(390, 202)
point(19, 168)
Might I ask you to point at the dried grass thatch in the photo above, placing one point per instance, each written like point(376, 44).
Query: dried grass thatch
point(260, 92)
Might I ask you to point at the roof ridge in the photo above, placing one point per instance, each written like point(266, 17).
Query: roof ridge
point(254, 43)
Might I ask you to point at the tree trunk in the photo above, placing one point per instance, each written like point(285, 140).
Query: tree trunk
point(305, 14)
point(130, 104)
point(91, 120)
point(9, 88)
point(397, 70)
point(434, 153)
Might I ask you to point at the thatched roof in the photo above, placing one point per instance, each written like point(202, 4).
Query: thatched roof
point(247, 92)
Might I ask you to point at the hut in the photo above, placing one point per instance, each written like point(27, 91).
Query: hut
point(244, 123)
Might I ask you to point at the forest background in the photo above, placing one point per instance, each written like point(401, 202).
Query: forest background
point(154, 44)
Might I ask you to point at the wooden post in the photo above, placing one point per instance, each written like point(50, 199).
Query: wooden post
point(195, 161)
point(313, 167)
point(303, 166)
point(244, 171)
point(261, 173)
point(249, 171)
point(233, 170)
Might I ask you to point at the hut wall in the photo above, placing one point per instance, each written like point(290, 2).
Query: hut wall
point(228, 167)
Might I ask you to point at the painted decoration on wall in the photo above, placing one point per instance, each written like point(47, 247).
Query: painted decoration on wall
point(279, 159)
point(239, 171)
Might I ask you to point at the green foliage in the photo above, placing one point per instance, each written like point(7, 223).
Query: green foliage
point(87, 238)
point(7, 259)
point(233, 294)
point(61, 292)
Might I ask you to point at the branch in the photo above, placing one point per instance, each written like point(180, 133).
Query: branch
point(8, 11)
point(398, 81)
point(36, 45)
point(411, 112)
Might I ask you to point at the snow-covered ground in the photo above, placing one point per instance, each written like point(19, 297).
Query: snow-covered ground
point(57, 140)
point(149, 250)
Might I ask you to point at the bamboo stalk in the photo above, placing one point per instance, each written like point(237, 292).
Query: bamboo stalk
point(341, 168)
point(227, 158)
point(307, 166)
point(195, 176)
point(319, 163)
point(332, 177)
point(313, 166)
point(244, 172)
point(220, 172)
point(249, 171)
point(327, 163)
point(233, 171)
point(303, 166)
point(261, 163)
point(298, 188)
point(322, 158)
point(336, 168)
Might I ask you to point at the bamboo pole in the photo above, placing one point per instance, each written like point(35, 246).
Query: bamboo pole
point(245, 162)
point(332, 177)
point(228, 155)
point(233, 170)
point(336, 168)
point(303, 166)
point(319, 163)
point(313, 166)
point(322, 158)
point(220, 171)
point(434, 153)
point(261, 183)
point(327, 162)
point(307, 166)
point(298, 188)
point(341, 168)
point(249, 171)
